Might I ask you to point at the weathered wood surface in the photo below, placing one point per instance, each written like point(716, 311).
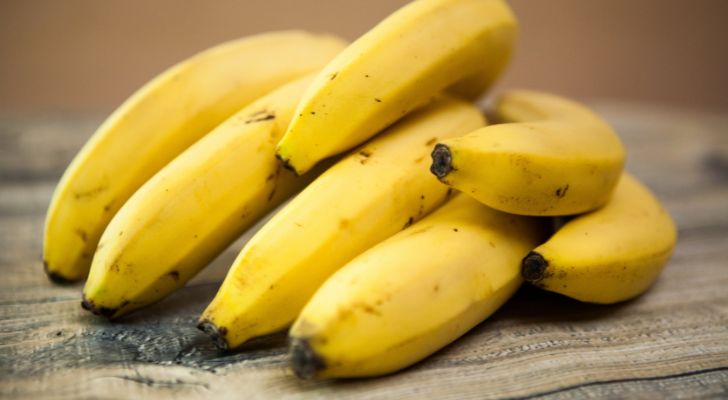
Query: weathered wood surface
point(671, 342)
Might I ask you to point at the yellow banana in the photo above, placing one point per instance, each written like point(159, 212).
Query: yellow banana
point(414, 293)
point(608, 255)
point(194, 207)
point(366, 197)
point(552, 157)
point(158, 122)
point(396, 67)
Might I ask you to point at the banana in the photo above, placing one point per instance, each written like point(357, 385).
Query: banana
point(414, 293)
point(363, 199)
point(609, 255)
point(158, 122)
point(194, 207)
point(397, 66)
point(552, 157)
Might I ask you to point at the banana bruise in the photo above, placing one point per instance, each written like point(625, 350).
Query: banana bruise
point(157, 123)
point(366, 197)
point(609, 255)
point(192, 209)
point(396, 67)
point(550, 157)
point(414, 293)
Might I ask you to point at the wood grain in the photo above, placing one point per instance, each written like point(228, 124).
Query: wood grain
point(669, 343)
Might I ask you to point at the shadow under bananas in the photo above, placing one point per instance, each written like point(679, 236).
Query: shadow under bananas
point(165, 333)
point(536, 305)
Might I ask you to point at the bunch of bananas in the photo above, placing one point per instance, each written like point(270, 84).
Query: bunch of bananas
point(383, 257)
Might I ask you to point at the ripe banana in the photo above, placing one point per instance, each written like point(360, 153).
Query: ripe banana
point(363, 199)
point(552, 157)
point(194, 207)
point(414, 293)
point(158, 122)
point(608, 255)
point(399, 65)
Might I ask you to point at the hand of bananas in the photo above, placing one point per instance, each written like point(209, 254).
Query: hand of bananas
point(384, 257)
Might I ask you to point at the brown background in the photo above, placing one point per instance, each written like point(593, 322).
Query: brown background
point(88, 55)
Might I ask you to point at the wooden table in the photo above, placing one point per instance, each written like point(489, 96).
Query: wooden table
point(671, 342)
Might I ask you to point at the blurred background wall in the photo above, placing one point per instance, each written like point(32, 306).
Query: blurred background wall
point(89, 55)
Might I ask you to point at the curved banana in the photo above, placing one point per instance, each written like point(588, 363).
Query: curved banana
point(552, 157)
point(608, 255)
point(396, 67)
point(412, 294)
point(158, 122)
point(365, 198)
point(194, 207)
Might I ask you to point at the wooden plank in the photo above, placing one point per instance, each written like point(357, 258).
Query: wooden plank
point(671, 342)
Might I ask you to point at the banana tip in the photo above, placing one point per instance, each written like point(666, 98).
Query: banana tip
point(441, 161)
point(533, 267)
point(305, 362)
point(55, 277)
point(217, 334)
point(287, 164)
point(89, 305)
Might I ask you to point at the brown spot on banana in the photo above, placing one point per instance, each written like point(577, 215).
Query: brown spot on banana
point(90, 193)
point(561, 192)
point(260, 116)
point(367, 309)
point(82, 234)
point(365, 156)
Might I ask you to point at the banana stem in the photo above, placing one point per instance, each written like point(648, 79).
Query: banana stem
point(533, 267)
point(441, 161)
